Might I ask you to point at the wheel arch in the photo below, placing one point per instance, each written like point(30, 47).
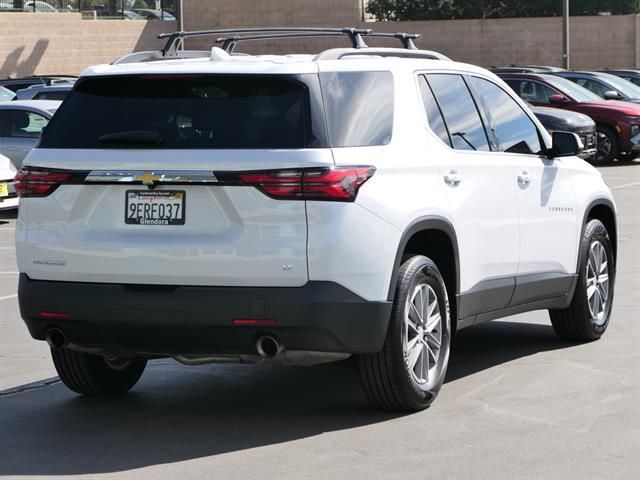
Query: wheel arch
point(602, 209)
point(433, 237)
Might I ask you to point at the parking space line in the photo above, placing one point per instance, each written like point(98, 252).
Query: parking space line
point(7, 297)
point(625, 185)
point(9, 273)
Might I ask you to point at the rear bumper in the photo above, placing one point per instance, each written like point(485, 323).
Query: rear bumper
point(169, 321)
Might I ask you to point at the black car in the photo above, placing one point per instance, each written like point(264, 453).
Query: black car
point(632, 76)
point(556, 120)
point(15, 84)
point(527, 69)
point(605, 85)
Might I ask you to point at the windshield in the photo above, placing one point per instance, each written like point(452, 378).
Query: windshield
point(628, 89)
point(578, 93)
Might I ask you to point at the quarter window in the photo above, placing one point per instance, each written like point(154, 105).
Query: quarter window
point(459, 111)
point(434, 115)
point(359, 107)
point(513, 130)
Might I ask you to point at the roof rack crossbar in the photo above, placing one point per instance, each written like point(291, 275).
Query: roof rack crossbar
point(174, 39)
point(229, 43)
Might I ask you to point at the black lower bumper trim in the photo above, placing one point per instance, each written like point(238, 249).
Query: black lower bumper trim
point(174, 320)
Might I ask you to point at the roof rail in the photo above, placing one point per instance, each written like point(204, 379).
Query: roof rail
point(339, 53)
point(175, 39)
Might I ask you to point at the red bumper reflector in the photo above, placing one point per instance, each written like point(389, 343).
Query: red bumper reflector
point(55, 315)
point(253, 321)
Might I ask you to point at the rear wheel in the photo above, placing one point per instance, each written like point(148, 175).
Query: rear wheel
point(587, 317)
point(94, 374)
point(409, 370)
point(608, 148)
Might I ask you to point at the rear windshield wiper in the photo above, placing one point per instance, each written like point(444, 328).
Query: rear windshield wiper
point(132, 137)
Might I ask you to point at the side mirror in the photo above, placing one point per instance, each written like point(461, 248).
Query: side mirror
point(557, 98)
point(612, 95)
point(565, 144)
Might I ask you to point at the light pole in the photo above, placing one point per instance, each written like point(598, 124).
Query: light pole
point(566, 61)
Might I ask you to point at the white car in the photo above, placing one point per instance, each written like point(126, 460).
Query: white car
point(8, 197)
point(301, 209)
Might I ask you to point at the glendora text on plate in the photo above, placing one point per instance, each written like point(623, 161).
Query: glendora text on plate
point(154, 207)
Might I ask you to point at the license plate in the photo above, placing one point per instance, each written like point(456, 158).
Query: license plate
point(150, 207)
point(4, 190)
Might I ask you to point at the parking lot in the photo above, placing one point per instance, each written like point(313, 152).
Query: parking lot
point(517, 403)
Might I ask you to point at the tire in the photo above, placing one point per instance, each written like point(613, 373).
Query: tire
point(607, 147)
point(386, 377)
point(586, 319)
point(94, 375)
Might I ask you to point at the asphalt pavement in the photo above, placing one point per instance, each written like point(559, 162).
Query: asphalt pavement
point(517, 404)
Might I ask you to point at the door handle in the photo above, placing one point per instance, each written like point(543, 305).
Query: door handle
point(452, 178)
point(524, 178)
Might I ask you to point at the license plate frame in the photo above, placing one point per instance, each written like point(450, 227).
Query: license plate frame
point(173, 196)
point(4, 189)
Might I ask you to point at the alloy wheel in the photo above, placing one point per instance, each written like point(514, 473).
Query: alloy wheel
point(598, 283)
point(422, 335)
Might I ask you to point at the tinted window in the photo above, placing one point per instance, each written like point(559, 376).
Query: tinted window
point(533, 92)
point(359, 107)
point(26, 124)
point(459, 111)
point(201, 111)
point(596, 87)
point(578, 93)
point(513, 129)
point(59, 95)
point(434, 115)
point(634, 80)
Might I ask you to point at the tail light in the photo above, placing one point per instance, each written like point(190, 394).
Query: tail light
point(38, 182)
point(339, 184)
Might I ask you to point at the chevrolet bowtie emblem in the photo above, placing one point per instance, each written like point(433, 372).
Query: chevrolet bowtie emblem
point(147, 178)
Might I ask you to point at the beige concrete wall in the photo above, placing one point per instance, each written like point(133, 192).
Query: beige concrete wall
point(596, 41)
point(39, 43)
point(64, 43)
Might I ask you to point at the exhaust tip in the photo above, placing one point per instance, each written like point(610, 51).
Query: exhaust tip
point(268, 347)
point(55, 337)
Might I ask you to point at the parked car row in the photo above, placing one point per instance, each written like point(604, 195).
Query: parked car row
point(608, 97)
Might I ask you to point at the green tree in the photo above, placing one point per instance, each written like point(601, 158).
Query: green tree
point(449, 9)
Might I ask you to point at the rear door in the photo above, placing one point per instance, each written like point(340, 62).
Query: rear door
point(177, 180)
point(482, 195)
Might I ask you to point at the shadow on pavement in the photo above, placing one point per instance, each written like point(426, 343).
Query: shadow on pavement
point(11, 214)
point(179, 413)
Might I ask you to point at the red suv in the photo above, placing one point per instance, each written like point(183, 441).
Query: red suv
point(617, 123)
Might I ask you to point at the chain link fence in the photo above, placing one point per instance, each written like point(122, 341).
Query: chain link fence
point(97, 9)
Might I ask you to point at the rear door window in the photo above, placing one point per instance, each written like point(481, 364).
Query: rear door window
point(359, 107)
point(459, 111)
point(188, 111)
point(23, 124)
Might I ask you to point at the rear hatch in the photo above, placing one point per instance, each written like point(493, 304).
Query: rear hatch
point(175, 180)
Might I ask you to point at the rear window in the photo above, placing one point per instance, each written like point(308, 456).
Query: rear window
point(359, 107)
point(204, 111)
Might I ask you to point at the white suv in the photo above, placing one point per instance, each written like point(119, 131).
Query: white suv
point(301, 209)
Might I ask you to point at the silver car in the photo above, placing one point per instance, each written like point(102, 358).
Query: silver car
point(44, 92)
point(21, 123)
